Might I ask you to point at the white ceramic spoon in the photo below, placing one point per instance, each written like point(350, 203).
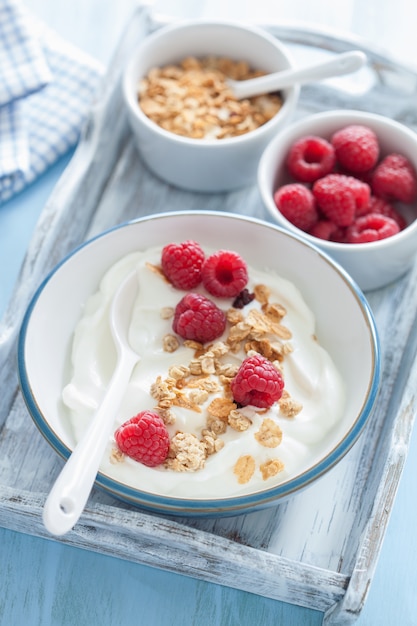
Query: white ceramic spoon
point(344, 63)
point(69, 494)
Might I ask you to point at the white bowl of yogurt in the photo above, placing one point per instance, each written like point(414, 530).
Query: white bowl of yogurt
point(331, 362)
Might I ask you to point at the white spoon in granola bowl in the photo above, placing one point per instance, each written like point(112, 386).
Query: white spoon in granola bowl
point(70, 492)
point(344, 63)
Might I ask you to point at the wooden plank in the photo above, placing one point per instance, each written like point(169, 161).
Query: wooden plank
point(145, 540)
point(348, 610)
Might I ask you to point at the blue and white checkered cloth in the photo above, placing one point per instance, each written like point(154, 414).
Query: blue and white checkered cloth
point(47, 87)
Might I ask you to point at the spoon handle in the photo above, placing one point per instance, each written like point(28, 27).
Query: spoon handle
point(344, 63)
point(70, 492)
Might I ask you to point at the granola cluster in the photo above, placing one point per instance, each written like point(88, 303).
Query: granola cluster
point(192, 99)
point(203, 384)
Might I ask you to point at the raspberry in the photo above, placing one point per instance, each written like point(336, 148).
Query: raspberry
point(310, 158)
point(356, 147)
point(395, 179)
point(297, 204)
point(257, 382)
point(371, 227)
point(181, 264)
point(325, 229)
point(224, 274)
point(340, 197)
point(383, 207)
point(198, 318)
point(144, 438)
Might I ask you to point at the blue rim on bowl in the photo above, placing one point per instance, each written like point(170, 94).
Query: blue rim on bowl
point(233, 505)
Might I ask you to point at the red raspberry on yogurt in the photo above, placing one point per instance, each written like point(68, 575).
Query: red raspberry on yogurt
point(224, 274)
point(181, 264)
point(198, 318)
point(144, 438)
point(257, 382)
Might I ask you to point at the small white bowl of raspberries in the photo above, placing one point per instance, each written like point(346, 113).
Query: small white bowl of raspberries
point(347, 182)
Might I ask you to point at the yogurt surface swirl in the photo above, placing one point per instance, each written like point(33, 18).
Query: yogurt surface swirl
point(310, 375)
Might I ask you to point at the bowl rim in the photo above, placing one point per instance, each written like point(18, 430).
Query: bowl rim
point(287, 132)
point(128, 89)
point(228, 505)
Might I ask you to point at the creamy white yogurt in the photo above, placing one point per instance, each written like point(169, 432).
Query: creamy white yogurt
point(310, 377)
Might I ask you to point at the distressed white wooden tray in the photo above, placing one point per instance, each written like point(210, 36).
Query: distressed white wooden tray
point(318, 549)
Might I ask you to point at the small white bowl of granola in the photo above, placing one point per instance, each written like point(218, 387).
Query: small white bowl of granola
point(190, 131)
point(298, 321)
